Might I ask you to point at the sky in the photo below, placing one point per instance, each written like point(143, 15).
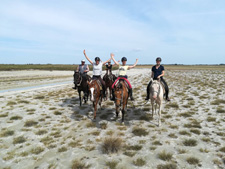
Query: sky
point(57, 31)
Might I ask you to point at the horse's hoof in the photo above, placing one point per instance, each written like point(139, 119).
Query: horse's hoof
point(122, 123)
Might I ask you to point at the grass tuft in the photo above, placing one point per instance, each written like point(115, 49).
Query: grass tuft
point(30, 123)
point(139, 162)
point(7, 133)
point(111, 164)
point(37, 150)
point(137, 131)
point(19, 140)
point(165, 156)
point(111, 145)
point(78, 164)
point(193, 160)
point(15, 118)
point(190, 142)
point(167, 166)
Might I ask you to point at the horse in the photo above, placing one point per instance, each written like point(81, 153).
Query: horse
point(109, 79)
point(156, 97)
point(82, 86)
point(121, 98)
point(95, 94)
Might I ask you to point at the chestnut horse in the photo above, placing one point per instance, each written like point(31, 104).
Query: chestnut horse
point(96, 94)
point(121, 98)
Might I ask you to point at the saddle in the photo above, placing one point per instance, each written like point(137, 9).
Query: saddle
point(100, 84)
point(117, 83)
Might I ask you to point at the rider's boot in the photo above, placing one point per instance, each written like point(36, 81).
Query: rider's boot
point(75, 86)
point(113, 95)
point(148, 91)
point(131, 94)
point(103, 91)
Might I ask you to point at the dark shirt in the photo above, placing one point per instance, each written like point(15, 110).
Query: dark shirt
point(158, 71)
point(109, 67)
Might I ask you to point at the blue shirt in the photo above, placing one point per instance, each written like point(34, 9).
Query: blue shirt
point(158, 71)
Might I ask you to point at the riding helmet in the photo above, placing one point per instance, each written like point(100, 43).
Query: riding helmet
point(124, 59)
point(158, 59)
point(82, 60)
point(97, 59)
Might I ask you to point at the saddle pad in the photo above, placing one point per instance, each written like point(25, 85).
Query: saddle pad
point(163, 87)
point(100, 85)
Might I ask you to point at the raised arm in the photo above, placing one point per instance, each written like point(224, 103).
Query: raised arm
point(130, 67)
point(106, 61)
point(87, 58)
point(112, 56)
point(117, 61)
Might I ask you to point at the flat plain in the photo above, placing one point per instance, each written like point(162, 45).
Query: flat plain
point(46, 128)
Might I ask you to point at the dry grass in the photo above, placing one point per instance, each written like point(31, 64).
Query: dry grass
point(134, 147)
point(15, 118)
point(7, 133)
point(190, 142)
point(196, 131)
point(37, 150)
point(111, 145)
point(62, 149)
point(222, 149)
point(193, 160)
point(19, 140)
point(139, 162)
point(167, 166)
point(41, 132)
point(4, 115)
point(111, 164)
point(90, 124)
point(165, 156)
point(30, 123)
point(129, 153)
point(137, 131)
point(78, 164)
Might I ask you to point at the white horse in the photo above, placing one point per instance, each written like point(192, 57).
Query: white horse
point(156, 96)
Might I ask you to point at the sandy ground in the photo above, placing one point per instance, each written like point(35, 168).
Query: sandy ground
point(18, 79)
point(46, 128)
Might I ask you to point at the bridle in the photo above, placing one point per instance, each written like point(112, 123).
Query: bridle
point(79, 79)
point(158, 83)
point(95, 90)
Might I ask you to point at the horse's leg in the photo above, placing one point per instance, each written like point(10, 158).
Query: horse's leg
point(152, 102)
point(155, 107)
point(80, 97)
point(159, 114)
point(95, 107)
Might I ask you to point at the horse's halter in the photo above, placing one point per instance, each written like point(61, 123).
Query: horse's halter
point(94, 92)
point(79, 79)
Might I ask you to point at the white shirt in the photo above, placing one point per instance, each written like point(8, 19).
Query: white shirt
point(97, 69)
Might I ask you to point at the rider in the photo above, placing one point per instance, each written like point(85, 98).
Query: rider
point(123, 75)
point(109, 70)
point(82, 69)
point(97, 71)
point(158, 72)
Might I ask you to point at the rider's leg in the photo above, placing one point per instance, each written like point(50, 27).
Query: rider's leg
point(130, 89)
point(113, 90)
point(148, 90)
point(103, 87)
point(166, 89)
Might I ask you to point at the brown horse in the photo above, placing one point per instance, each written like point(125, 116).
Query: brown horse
point(121, 98)
point(82, 85)
point(96, 94)
point(109, 79)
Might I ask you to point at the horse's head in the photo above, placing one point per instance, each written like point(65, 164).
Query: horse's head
point(118, 96)
point(77, 77)
point(155, 89)
point(93, 89)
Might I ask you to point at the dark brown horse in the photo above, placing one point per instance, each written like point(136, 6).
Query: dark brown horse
point(82, 85)
point(95, 94)
point(109, 79)
point(121, 98)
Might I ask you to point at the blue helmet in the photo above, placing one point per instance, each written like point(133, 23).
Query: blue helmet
point(124, 59)
point(97, 59)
